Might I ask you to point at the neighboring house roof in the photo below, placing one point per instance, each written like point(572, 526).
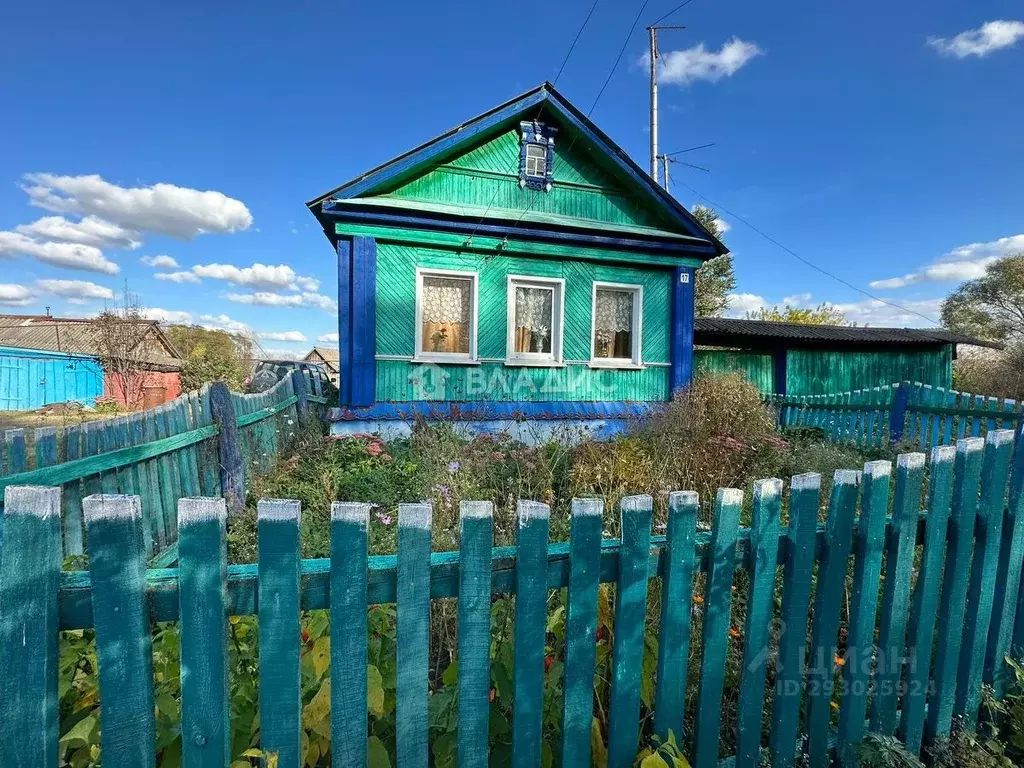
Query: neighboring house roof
point(722, 331)
point(78, 336)
point(573, 121)
point(328, 355)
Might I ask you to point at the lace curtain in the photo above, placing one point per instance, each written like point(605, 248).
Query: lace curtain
point(534, 314)
point(445, 300)
point(613, 324)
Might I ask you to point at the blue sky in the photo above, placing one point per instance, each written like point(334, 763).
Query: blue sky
point(883, 142)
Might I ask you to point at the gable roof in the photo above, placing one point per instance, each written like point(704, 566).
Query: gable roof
point(329, 355)
point(544, 96)
point(724, 331)
point(77, 336)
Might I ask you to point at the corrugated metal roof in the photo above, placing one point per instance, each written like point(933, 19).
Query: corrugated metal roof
point(77, 336)
point(708, 330)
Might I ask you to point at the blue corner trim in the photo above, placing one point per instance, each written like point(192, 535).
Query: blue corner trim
point(486, 410)
point(344, 321)
point(364, 321)
point(681, 332)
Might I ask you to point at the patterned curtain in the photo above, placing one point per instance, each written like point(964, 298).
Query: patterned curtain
point(445, 308)
point(534, 315)
point(613, 324)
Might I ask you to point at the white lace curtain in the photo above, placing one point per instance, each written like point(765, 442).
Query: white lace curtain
point(445, 300)
point(614, 310)
point(533, 309)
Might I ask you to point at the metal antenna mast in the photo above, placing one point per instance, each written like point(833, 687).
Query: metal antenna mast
point(653, 39)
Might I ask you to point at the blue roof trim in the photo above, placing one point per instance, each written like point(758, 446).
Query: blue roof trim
point(336, 210)
point(545, 95)
point(487, 410)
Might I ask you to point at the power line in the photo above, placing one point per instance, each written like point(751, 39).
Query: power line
point(809, 263)
point(576, 40)
point(619, 57)
point(678, 7)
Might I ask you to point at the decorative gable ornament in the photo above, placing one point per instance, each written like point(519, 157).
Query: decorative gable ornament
point(536, 155)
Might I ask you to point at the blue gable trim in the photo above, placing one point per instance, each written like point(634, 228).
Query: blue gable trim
point(488, 410)
point(681, 331)
point(547, 96)
point(364, 215)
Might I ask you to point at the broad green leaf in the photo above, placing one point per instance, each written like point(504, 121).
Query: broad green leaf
point(377, 754)
point(375, 691)
point(654, 761)
point(319, 706)
point(598, 750)
point(81, 733)
point(321, 654)
point(451, 674)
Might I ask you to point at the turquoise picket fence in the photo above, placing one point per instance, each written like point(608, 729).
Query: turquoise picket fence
point(205, 443)
point(913, 415)
point(814, 678)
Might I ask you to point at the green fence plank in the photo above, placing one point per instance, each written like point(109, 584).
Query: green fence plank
point(165, 428)
point(955, 582)
point(985, 567)
point(476, 537)
point(895, 610)
point(203, 595)
point(860, 641)
point(46, 446)
point(926, 598)
point(413, 634)
point(797, 571)
point(117, 568)
point(280, 697)
point(74, 532)
point(828, 602)
point(530, 632)
point(17, 458)
point(676, 615)
point(350, 523)
point(30, 563)
point(581, 632)
point(764, 546)
point(630, 615)
point(715, 632)
point(1008, 580)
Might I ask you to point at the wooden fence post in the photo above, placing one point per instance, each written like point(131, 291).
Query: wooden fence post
point(302, 393)
point(232, 472)
point(898, 412)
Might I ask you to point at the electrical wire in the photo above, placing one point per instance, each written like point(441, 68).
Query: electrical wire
point(576, 40)
point(677, 8)
point(805, 261)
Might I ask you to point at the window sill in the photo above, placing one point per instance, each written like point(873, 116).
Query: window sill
point(421, 360)
point(616, 365)
point(513, 363)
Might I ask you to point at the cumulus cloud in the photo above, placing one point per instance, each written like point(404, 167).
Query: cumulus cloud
point(723, 226)
point(70, 255)
point(161, 208)
point(76, 291)
point(279, 353)
point(698, 63)
point(90, 230)
point(222, 322)
point(14, 295)
point(267, 299)
point(877, 313)
point(177, 277)
point(167, 316)
point(739, 304)
point(265, 276)
point(988, 38)
point(328, 338)
point(160, 262)
point(968, 262)
point(282, 335)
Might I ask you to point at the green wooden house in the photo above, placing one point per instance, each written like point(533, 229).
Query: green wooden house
point(518, 268)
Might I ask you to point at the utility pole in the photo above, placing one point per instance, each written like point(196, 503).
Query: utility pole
point(653, 35)
point(664, 165)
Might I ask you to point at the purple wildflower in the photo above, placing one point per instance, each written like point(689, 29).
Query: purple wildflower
point(453, 467)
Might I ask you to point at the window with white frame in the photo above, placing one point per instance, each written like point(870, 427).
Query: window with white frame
point(535, 312)
point(446, 304)
point(536, 160)
point(617, 314)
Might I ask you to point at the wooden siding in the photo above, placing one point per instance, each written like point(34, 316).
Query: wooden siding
point(404, 381)
point(756, 366)
point(818, 372)
point(488, 176)
point(396, 289)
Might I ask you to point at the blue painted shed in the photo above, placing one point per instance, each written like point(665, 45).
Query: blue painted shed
point(32, 378)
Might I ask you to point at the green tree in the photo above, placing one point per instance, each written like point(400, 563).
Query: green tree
point(990, 307)
point(211, 355)
point(715, 279)
point(823, 314)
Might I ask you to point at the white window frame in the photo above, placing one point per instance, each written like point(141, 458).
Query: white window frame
point(542, 160)
point(636, 359)
point(428, 356)
point(538, 359)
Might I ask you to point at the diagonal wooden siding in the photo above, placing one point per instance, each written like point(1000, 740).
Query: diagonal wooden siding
point(818, 372)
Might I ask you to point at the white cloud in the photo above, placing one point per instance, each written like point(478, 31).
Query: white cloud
point(160, 262)
point(14, 295)
point(167, 316)
point(989, 37)
point(91, 230)
point(162, 208)
point(223, 323)
point(742, 303)
point(797, 300)
point(698, 63)
point(279, 353)
point(268, 277)
point(282, 335)
point(266, 299)
point(877, 313)
point(69, 255)
point(723, 226)
point(328, 338)
point(177, 277)
point(76, 291)
point(968, 262)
